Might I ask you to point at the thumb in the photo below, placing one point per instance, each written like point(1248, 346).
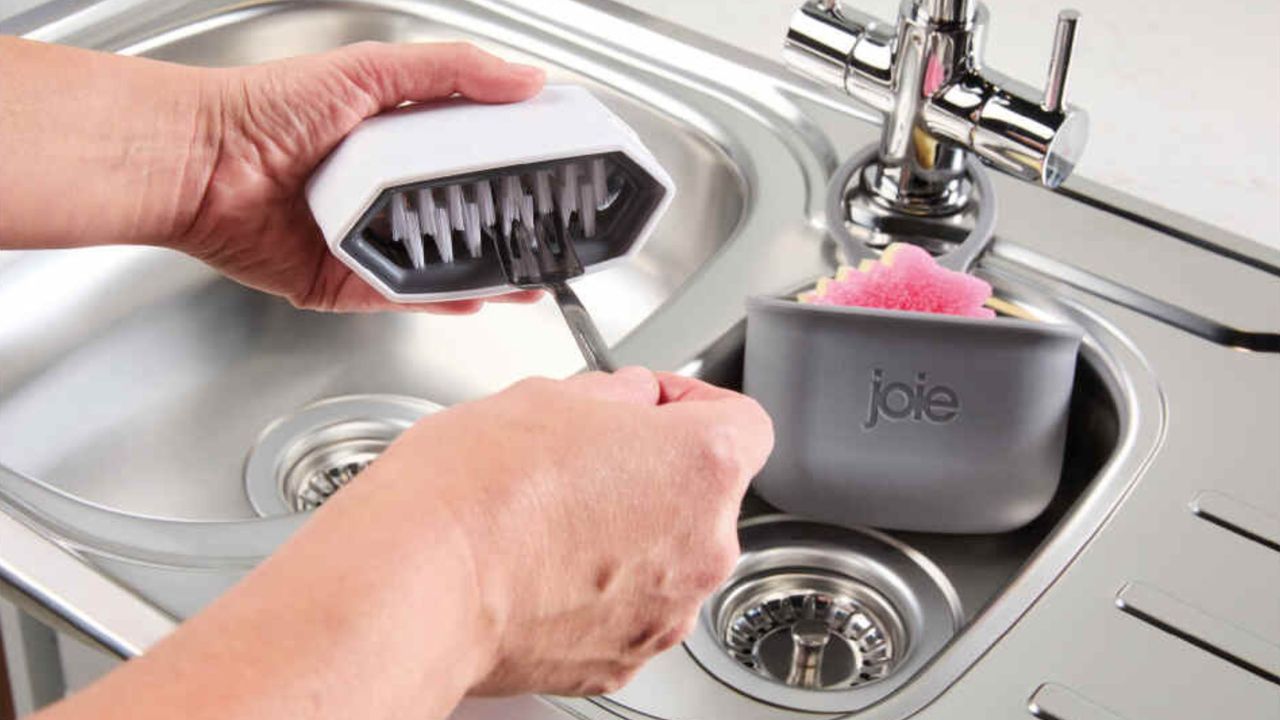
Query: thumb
point(390, 74)
point(633, 385)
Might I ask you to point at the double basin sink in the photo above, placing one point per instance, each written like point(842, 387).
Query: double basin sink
point(136, 384)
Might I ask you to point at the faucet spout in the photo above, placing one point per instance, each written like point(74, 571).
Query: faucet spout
point(925, 74)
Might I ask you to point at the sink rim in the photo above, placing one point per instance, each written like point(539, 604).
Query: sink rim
point(726, 222)
point(1099, 347)
point(1108, 350)
point(1141, 413)
point(1148, 435)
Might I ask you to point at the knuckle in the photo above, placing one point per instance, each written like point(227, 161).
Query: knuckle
point(610, 678)
point(717, 456)
point(593, 376)
point(640, 642)
point(677, 633)
point(619, 676)
point(724, 559)
point(661, 579)
point(532, 386)
point(755, 413)
point(715, 566)
point(686, 628)
point(365, 49)
point(587, 688)
point(464, 51)
point(704, 580)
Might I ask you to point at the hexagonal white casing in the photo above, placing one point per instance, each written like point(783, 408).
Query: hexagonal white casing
point(456, 137)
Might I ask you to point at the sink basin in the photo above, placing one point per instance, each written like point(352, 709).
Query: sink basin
point(154, 400)
point(135, 389)
point(136, 386)
point(1106, 415)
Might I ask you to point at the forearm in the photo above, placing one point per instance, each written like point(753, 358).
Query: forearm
point(357, 616)
point(98, 149)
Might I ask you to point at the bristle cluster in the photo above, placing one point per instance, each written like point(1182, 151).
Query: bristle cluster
point(571, 194)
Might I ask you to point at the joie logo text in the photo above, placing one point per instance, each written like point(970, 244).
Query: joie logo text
point(896, 401)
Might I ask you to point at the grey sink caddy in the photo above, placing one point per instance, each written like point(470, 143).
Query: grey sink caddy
point(906, 420)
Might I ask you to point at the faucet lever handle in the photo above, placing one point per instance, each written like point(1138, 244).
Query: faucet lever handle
point(1060, 60)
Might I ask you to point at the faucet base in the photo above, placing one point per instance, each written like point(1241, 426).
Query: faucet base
point(870, 220)
point(857, 217)
point(900, 191)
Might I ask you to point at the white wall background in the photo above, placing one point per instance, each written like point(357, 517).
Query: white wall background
point(1184, 94)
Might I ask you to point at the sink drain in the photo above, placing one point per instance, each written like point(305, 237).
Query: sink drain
point(334, 461)
point(302, 459)
point(821, 618)
point(811, 630)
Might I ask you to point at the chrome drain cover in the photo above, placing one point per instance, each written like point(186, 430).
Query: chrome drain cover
point(821, 618)
point(811, 629)
point(326, 468)
point(302, 459)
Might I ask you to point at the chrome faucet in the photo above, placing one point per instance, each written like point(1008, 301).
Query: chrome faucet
point(926, 76)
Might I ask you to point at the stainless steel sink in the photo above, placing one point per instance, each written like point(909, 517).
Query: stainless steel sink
point(135, 383)
point(154, 394)
point(1115, 408)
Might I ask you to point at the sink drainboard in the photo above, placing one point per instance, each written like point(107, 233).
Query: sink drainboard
point(303, 459)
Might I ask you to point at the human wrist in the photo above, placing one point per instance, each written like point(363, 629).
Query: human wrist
point(457, 575)
point(134, 162)
point(192, 227)
point(484, 617)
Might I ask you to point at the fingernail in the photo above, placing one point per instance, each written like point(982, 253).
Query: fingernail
point(527, 72)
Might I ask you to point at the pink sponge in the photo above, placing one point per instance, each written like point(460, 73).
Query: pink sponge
point(905, 278)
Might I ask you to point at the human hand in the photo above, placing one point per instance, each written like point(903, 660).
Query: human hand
point(274, 124)
point(597, 520)
point(211, 161)
point(550, 538)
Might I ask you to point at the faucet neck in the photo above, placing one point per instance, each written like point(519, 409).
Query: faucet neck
point(925, 74)
point(939, 12)
point(921, 172)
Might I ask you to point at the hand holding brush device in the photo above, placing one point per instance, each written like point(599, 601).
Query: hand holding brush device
point(460, 200)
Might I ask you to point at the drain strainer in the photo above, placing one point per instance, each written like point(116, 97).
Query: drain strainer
point(822, 618)
point(302, 459)
point(811, 629)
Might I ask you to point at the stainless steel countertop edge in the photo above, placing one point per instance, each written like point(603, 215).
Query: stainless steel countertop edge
point(56, 585)
point(1054, 554)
